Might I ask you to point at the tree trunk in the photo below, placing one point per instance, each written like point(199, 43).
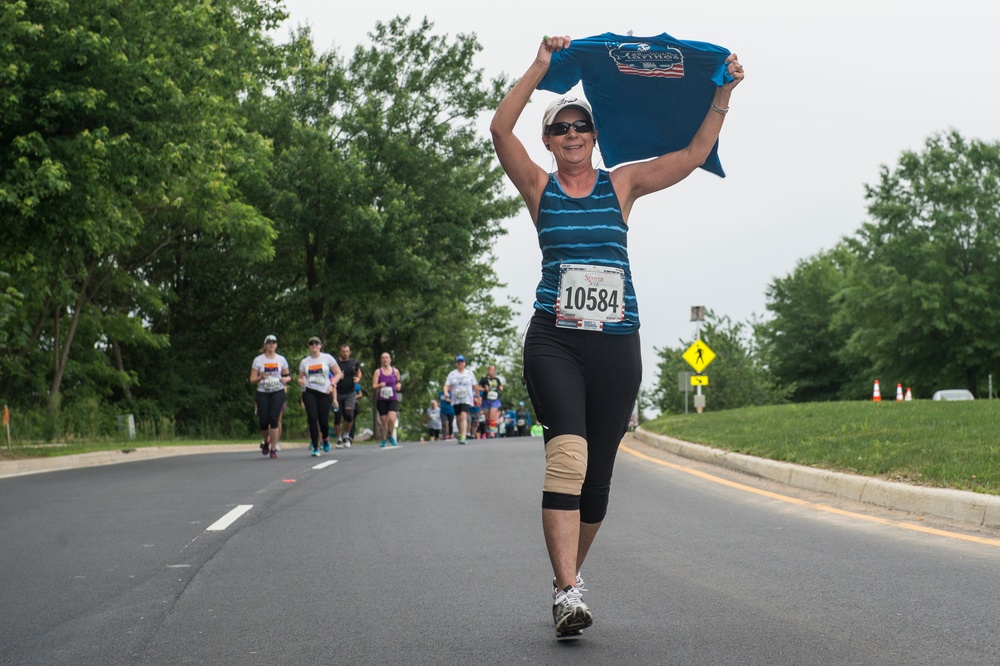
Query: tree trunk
point(61, 351)
point(117, 351)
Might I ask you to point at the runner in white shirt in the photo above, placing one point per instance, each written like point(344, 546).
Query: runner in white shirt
point(318, 396)
point(269, 371)
point(461, 389)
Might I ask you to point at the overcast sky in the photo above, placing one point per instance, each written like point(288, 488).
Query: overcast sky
point(834, 90)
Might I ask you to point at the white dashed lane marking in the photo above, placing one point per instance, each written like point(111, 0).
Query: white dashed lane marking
point(229, 518)
point(232, 516)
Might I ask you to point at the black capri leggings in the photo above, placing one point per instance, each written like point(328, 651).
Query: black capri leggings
point(269, 408)
point(318, 407)
point(583, 383)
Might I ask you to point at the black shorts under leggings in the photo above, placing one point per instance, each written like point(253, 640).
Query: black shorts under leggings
point(269, 408)
point(583, 383)
point(345, 412)
point(318, 407)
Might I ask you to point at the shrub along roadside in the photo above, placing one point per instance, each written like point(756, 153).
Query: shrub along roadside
point(941, 444)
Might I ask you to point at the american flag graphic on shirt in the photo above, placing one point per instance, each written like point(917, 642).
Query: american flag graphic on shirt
point(643, 59)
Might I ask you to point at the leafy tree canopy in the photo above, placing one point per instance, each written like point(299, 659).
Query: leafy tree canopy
point(912, 298)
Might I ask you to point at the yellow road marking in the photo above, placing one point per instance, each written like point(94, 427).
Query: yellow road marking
point(812, 505)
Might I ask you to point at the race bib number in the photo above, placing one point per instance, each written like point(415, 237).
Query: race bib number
point(492, 395)
point(520, 422)
point(317, 380)
point(460, 392)
point(590, 296)
point(271, 384)
point(385, 393)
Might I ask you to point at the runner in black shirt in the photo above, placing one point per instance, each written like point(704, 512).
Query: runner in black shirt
point(343, 418)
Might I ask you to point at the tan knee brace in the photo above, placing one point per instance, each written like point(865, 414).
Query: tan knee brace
point(565, 464)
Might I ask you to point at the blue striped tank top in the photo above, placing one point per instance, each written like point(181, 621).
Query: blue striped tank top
point(589, 230)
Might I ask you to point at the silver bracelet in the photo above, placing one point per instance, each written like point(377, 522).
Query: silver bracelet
point(719, 109)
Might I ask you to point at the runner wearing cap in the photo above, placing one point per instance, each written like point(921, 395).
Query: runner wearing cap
point(460, 390)
point(582, 362)
point(269, 371)
point(318, 398)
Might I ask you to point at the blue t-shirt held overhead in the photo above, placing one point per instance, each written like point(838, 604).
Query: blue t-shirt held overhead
point(649, 94)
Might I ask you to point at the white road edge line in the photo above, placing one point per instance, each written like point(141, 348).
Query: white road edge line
point(324, 465)
point(229, 518)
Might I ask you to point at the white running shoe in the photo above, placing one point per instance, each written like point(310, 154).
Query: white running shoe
point(569, 612)
point(347, 442)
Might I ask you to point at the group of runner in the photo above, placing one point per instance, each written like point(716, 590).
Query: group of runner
point(475, 406)
point(331, 384)
point(327, 383)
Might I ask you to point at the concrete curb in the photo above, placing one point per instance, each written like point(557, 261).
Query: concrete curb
point(55, 464)
point(976, 508)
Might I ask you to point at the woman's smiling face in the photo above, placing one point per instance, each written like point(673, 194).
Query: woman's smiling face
point(573, 144)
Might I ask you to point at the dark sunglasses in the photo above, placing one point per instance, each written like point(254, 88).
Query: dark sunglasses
point(581, 127)
point(314, 343)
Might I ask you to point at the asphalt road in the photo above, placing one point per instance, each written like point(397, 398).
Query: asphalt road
point(432, 554)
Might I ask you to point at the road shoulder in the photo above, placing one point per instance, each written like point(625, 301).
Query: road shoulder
point(955, 507)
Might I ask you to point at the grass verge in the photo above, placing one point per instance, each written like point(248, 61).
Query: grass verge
point(941, 444)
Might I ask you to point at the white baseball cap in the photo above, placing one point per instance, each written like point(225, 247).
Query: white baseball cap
point(558, 105)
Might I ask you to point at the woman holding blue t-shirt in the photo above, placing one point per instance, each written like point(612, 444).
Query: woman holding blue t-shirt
point(582, 363)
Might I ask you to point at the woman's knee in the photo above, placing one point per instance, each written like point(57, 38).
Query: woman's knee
point(565, 464)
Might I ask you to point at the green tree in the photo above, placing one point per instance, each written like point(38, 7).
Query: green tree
point(431, 191)
point(666, 397)
point(799, 345)
point(736, 375)
point(923, 299)
point(119, 135)
point(387, 200)
point(177, 186)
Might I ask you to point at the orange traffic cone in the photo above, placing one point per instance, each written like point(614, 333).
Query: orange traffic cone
point(899, 393)
point(876, 395)
point(909, 394)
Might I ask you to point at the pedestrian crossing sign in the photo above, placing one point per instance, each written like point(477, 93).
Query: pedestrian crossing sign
point(698, 355)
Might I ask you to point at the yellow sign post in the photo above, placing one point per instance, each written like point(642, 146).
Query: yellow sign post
point(698, 356)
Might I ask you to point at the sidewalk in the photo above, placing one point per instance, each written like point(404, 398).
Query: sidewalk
point(975, 508)
point(54, 464)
